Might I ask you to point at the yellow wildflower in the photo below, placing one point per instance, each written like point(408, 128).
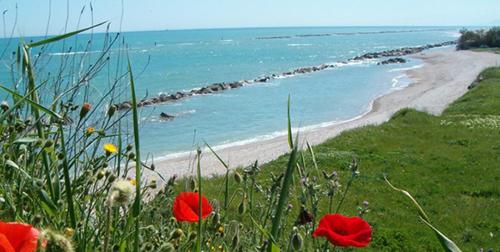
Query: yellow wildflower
point(110, 148)
point(132, 181)
point(89, 130)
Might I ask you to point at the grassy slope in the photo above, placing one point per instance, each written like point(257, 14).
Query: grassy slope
point(452, 169)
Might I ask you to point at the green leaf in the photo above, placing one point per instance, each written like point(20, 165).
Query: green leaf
point(32, 103)
point(262, 230)
point(446, 242)
point(421, 211)
point(63, 36)
point(15, 166)
point(46, 203)
point(25, 140)
point(274, 248)
point(290, 140)
point(11, 164)
point(217, 156)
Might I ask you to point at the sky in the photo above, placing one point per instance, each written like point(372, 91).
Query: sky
point(33, 15)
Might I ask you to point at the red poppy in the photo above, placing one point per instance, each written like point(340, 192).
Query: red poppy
point(186, 207)
point(344, 231)
point(17, 237)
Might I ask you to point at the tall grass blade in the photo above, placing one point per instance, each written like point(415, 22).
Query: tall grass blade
point(446, 243)
point(289, 125)
point(31, 102)
point(226, 178)
point(67, 180)
point(287, 181)
point(63, 36)
point(135, 119)
point(198, 172)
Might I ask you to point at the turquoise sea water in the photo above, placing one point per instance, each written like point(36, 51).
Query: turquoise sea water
point(169, 61)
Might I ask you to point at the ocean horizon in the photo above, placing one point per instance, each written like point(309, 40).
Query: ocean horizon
point(181, 60)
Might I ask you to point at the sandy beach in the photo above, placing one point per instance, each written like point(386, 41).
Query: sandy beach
point(443, 78)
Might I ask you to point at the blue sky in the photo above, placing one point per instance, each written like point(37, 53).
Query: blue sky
point(189, 14)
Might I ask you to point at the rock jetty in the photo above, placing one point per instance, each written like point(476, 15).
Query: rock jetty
point(392, 61)
point(219, 87)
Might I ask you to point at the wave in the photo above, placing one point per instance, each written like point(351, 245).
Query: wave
point(297, 45)
point(73, 53)
point(350, 33)
point(405, 68)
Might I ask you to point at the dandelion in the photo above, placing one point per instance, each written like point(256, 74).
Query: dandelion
point(89, 131)
point(120, 193)
point(110, 148)
point(132, 181)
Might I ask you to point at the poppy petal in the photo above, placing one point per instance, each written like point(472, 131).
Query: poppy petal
point(5, 245)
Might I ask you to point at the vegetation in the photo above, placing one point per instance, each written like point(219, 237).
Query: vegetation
point(479, 39)
point(72, 179)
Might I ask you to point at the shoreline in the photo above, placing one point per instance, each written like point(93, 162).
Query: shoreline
point(443, 72)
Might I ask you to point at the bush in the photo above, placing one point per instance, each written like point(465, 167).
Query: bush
point(479, 38)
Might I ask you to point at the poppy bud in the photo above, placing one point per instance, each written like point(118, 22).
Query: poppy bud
point(237, 177)
point(111, 110)
point(48, 144)
point(152, 184)
point(235, 242)
point(176, 234)
point(296, 240)
point(4, 106)
point(129, 147)
point(192, 184)
point(216, 218)
point(147, 247)
point(100, 174)
point(85, 109)
point(131, 155)
point(167, 247)
point(111, 178)
point(192, 236)
point(242, 208)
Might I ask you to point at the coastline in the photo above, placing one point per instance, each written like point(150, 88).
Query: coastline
point(443, 78)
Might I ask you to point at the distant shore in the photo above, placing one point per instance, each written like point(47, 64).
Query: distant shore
point(443, 78)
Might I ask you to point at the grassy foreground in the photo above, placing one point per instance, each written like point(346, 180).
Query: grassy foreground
point(449, 163)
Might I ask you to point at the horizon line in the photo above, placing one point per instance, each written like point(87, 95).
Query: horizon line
point(254, 27)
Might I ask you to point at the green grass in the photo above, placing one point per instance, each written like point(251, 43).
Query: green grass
point(488, 49)
point(449, 163)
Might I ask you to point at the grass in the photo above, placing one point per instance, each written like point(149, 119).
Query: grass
point(449, 163)
point(488, 49)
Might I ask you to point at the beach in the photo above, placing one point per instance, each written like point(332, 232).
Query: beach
point(444, 77)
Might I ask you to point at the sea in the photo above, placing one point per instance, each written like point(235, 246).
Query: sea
point(179, 60)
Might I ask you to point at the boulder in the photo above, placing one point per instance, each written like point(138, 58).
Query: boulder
point(166, 117)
